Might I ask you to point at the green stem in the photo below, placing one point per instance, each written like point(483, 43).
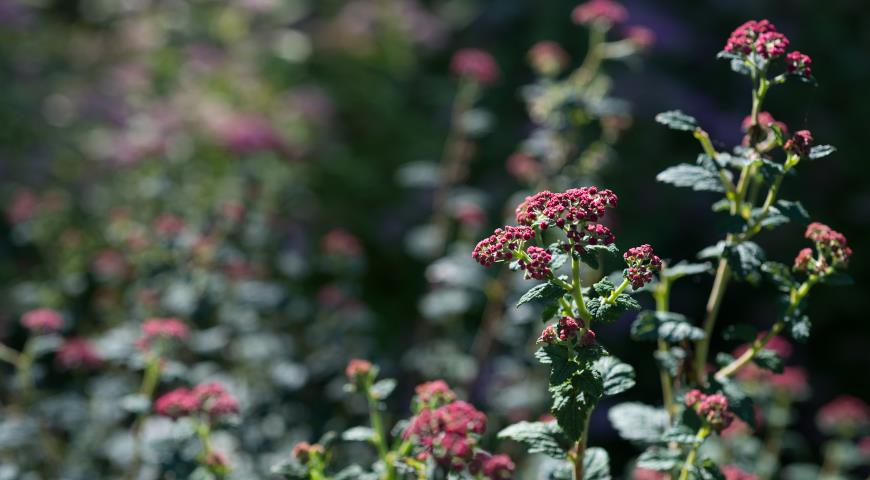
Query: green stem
point(704, 138)
point(24, 370)
point(579, 450)
point(380, 438)
point(662, 298)
point(794, 300)
point(611, 299)
point(703, 432)
point(594, 56)
point(577, 288)
point(9, 355)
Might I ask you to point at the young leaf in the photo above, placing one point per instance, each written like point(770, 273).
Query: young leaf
point(573, 399)
point(821, 151)
point(637, 422)
point(691, 176)
point(538, 437)
point(768, 359)
point(677, 120)
point(543, 293)
point(596, 464)
point(616, 375)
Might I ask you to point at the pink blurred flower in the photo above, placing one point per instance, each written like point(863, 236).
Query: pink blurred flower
point(523, 167)
point(341, 242)
point(78, 353)
point(605, 11)
point(475, 64)
point(732, 472)
point(22, 207)
point(42, 320)
point(845, 415)
point(164, 328)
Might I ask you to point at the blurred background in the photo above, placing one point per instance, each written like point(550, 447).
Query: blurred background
point(267, 169)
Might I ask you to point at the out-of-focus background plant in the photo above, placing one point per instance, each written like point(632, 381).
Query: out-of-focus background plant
point(301, 183)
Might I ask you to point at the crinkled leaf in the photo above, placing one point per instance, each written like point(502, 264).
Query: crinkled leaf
point(668, 326)
point(684, 268)
point(605, 312)
point(768, 359)
point(596, 464)
point(780, 275)
point(681, 434)
point(637, 422)
point(383, 388)
point(795, 211)
point(670, 360)
point(559, 359)
point(573, 399)
point(542, 294)
point(691, 176)
point(358, 434)
point(589, 255)
point(677, 120)
point(745, 260)
point(558, 254)
point(660, 459)
point(603, 287)
point(821, 151)
point(616, 375)
point(538, 437)
point(770, 170)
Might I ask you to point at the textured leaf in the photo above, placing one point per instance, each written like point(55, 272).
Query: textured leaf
point(573, 399)
point(637, 422)
point(670, 360)
point(706, 469)
point(768, 359)
point(538, 437)
point(821, 151)
point(383, 388)
point(691, 176)
point(684, 268)
point(739, 402)
point(713, 251)
point(660, 459)
point(358, 434)
point(795, 211)
point(549, 312)
point(677, 120)
point(596, 464)
point(605, 312)
point(559, 359)
point(616, 375)
point(745, 260)
point(542, 294)
point(770, 170)
point(603, 287)
point(681, 434)
point(669, 326)
point(780, 275)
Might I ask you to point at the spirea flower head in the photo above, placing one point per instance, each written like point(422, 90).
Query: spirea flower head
point(800, 144)
point(537, 266)
point(692, 397)
point(164, 328)
point(433, 394)
point(831, 245)
point(642, 263)
point(501, 244)
point(599, 11)
point(804, 261)
point(498, 467)
point(524, 167)
point(797, 63)
point(476, 65)
point(448, 433)
point(572, 207)
point(548, 58)
point(548, 335)
point(765, 119)
point(177, 403)
point(845, 416)
point(214, 400)
point(714, 410)
point(744, 39)
point(588, 339)
point(731, 472)
point(568, 327)
point(42, 320)
point(358, 370)
point(642, 37)
point(771, 45)
point(78, 353)
point(304, 451)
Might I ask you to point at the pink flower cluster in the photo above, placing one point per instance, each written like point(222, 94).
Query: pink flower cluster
point(303, 451)
point(799, 64)
point(211, 399)
point(844, 415)
point(164, 328)
point(800, 144)
point(42, 320)
point(493, 467)
point(448, 433)
point(572, 207)
point(832, 247)
point(476, 65)
point(642, 263)
point(77, 353)
point(731, 472)
point(340, 242)
point(358, 369)
point(764, 120)
point(537, 266)
point(501, 244)
point(603, 11)
point(792, 381)
point(566, 330)
point(712, 408)
point(433, 394)
point(548, 58)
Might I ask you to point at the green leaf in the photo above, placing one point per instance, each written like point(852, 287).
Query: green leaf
point(602, 311)
point(603, 287)
point(745, 260)
point(670, 360)
point(713, 251)
point(691, 176)
point(668, 326)
point(291, 469)
point(573, 399)
point(723, 359)
point(596, 464)
point(821, 151)
point(684, 269)
point(795, 211)
point(660, 459)
point(383, 388)
point(768, 359)
point(558, 254)
point(616, 375)
point(354, 472)
point(559, 359)
point(780, 275)
point(705, 469)
point(739, 402)
point(538, 437)
point(637, 422)
point(681, 434)
point(549, 312)
point(358, 434)
point(770, 170)
point(677, 120)
point(543, 294)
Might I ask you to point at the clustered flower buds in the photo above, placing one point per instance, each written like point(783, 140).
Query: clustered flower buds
point(78, 353)
point(798, 64)
point(642, 263)
point(493, 467)
point(433, 394)
point(42, 320)
point(713, 409)
point(731, 472)
point(164, 328)
point(800, 144)
point(765, 119)
point(566, 331)
point(304, 451)
point(211, 399)
point(537, 266)
point(831, 245)
point(845, 415)
point(599, 11)
point(358, 370)
point(447, 433)
point(475, 64)
point(501, 245)
point(548, 58)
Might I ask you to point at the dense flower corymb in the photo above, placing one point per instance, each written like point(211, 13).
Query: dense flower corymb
point(844, 415)
point(434, 394)
point(164, 328)
point(78, 353)
point(209, 398)
point(42, 320)
point(357, 369)
point(744, 39)
point(448, 433)
point(548, 58)
point(642, 263)
point(799, 64)
point(537, 266)
point(832, 246)
point(800, 144)
point(606, 11)
point(475, 64)
point(712, 408)
point(501, 244)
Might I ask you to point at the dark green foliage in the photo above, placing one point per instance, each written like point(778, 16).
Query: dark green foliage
point(691, 176)
point(668, 326)
point(638, 423)
point(542, 294)
point(539, 437)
